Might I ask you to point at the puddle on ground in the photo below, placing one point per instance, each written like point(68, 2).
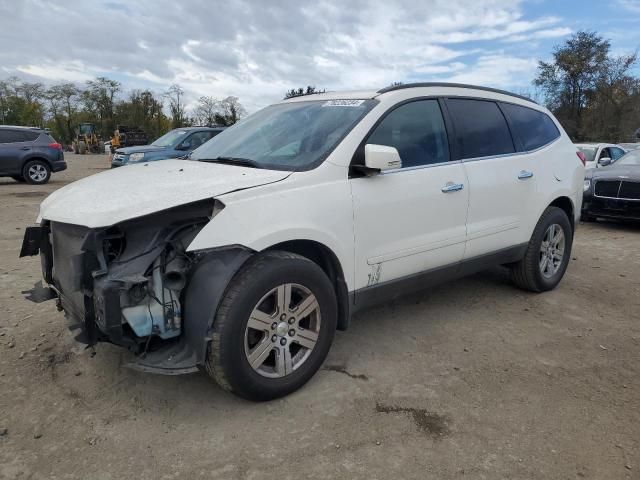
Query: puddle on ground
point(430, 423)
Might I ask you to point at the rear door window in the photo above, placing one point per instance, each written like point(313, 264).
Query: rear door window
point(480, 127)
point(28, 135)
point(417, 131)
point(11, 136)
point(531, 128)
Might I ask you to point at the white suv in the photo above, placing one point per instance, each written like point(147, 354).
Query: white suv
point(246, 259)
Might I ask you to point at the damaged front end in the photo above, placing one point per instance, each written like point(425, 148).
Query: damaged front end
point(130, 284)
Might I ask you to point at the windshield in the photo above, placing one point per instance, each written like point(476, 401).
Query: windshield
point(631, 158)
point(589, 153)
point(288, 136)
point(170, 139)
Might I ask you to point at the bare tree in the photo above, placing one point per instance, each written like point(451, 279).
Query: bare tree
point(230, 111)
point(175, 95)
point(206, 110)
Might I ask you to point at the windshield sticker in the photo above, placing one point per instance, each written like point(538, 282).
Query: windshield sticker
point(343, 103)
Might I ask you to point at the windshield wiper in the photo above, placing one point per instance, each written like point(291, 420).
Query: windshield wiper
point(245, 162)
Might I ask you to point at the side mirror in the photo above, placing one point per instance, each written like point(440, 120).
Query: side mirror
point(378, 158)
point(186, 145)
point(603, 162)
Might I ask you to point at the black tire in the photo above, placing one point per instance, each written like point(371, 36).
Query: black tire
point(526, 273)
point(19, 178)
point(226, 360)
point(42, 167)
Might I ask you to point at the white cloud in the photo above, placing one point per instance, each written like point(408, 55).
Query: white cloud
point(258, 50)
point(70, 71)
point(630, 5)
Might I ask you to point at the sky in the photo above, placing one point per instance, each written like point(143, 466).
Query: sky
point(257, 50)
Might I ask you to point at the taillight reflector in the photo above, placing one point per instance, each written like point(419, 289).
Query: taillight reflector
point(57, 146)
point(582, 158)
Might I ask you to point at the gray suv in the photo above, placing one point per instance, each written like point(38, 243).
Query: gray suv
point(29, 154)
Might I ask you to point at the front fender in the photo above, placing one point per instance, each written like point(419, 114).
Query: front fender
point(207, 283)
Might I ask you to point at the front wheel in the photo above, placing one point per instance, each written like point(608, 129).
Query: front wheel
point(548, 253)
point(274, 327)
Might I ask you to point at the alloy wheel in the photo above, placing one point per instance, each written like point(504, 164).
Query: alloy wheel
point(282, 330)
point(552, 250)
point(37, 173)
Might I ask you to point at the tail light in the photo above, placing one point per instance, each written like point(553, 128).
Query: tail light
point(582, 158)
point(57, 146)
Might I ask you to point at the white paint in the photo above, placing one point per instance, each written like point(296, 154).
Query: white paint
point(389, 225)
point(136, 190)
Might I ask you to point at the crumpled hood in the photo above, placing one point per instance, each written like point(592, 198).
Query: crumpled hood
point(121, 194)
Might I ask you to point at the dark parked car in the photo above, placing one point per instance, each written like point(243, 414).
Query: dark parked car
point(29, 154)
point(176, 143)
point(614, 190)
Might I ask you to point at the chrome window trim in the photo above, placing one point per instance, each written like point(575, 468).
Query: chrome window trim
point(419, 167)
point(515, 154)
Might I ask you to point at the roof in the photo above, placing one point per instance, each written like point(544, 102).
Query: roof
point(367, 94)
point(200, 128)
point(403, 86)
point(596, 144)
point(21, 127)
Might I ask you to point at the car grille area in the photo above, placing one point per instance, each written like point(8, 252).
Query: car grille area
point(629, 190)
point(607, 188)
point(617, 189)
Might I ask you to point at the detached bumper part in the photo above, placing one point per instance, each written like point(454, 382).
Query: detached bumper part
point(31, 241)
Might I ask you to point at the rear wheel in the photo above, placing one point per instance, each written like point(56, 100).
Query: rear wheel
point(548, 253)
point(274, 327)
point(36, 172)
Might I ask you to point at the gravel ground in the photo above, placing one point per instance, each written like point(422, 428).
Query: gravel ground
point(472, 379)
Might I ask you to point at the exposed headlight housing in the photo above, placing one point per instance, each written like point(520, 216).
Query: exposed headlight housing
point(587, 185)
point(136, 157)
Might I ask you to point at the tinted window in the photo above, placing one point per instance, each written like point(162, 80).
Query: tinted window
point(481, 129)
point(616, 153)
point(13, 136)
point(417, 131)
point(29, 135)
point(532, 128)
point(199, 138)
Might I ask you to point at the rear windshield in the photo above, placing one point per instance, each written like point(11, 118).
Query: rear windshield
point(589, 153)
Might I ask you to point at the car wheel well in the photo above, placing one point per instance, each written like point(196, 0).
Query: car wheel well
point(565, 204)
point(324, 257)
point(31, 159)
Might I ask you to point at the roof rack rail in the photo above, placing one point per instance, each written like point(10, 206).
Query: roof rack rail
point(454, 85)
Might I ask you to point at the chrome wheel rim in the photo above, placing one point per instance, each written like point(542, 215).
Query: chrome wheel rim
point(552, 250)
point(37, 173)
point(282, 330)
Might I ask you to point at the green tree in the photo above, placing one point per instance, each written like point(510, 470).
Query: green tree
point(586, 87)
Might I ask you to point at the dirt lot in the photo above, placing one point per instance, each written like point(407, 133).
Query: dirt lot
point(473, 379)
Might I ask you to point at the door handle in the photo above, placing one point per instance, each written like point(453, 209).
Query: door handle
point(452, 187)
point(524, 174)
point(25, 148)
